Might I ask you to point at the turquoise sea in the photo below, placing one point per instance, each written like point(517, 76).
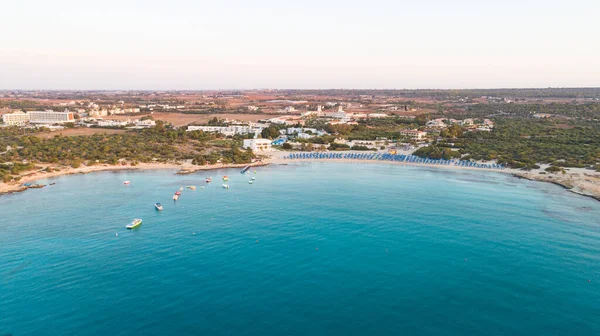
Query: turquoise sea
point(308, 249)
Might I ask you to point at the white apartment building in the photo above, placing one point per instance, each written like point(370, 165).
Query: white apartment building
point(257, 144)
point(414, 134)
point(112, 123)
point(145, 123)
point(50, 117)
point(228, 130)
point(17, 118)
point(378, 115)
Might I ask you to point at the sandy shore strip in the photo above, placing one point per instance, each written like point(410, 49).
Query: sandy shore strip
point(577, 180)
point(183, 168)
point(581, 181)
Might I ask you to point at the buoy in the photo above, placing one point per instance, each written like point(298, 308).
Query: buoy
point(116, 234)
point(257, 240)
point(193, 233)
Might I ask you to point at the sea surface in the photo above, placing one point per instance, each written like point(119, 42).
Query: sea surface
point(308, 249)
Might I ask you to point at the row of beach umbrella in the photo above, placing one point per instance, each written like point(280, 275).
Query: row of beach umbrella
point(393, 157)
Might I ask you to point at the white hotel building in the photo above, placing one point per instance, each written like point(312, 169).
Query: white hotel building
point(50, 117)
point(17, 118)
point(228, 130)
point(257, 144)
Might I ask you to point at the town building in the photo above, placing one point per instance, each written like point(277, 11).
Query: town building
point(145, 123)
point(229, 130)
point(437, 123)
point(50, 117)
point(304, 136)
point(112, 123)
point(317, 113)
point(257, 144)
point(17, 118)
point(414, 134)
point(98, 113)
point(287, 120)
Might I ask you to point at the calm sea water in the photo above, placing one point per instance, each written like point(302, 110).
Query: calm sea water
point(308, 249)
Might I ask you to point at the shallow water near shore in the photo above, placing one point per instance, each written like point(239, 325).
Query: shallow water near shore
point(308, 249)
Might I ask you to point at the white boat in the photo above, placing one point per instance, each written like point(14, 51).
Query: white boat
point(136, 222)
point(181, 189)
point(175, 197)
point(250, 181)
point(253, 178)
point(226, 186)
point(158, 206)
point(126, 182)
point(192, 187)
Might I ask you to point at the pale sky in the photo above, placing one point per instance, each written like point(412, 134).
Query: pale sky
point(244, 44)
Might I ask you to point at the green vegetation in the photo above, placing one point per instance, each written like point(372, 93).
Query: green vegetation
point(524, 142)
point(6, 170)
point(435, 152)
point(159, 144)
point(270, 132)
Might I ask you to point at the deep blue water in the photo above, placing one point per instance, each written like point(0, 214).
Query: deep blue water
point(308, 249)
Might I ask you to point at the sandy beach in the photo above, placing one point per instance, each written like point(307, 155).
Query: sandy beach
point(182, 168)
point(577, 180)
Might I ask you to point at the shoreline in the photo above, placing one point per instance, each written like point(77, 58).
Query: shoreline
point(582, 183)
point(182, 169)
point(576, 180)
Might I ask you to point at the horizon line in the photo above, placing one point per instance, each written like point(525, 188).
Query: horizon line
point(316, 89)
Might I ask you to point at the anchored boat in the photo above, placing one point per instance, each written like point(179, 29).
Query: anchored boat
point(245, 169)
point(158, 206)
point(226, 186)
point(136, 222)
point(225, 178)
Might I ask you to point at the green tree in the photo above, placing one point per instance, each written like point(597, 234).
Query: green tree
point(270, 132)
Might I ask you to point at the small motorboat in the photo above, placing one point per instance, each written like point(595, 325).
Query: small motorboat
point(245, 169)
point(226, 186)
point(175, 197)
point(202, 187)
point(208, 179)
point(251, 182)
point(225, 178)
point(158, 206)
point(253, 178)
point(191, 187)
point(178, 193)
point(127, 182)
point(181, 189)
point(136, 222)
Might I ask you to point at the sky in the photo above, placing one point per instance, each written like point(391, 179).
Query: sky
point(308, 44)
